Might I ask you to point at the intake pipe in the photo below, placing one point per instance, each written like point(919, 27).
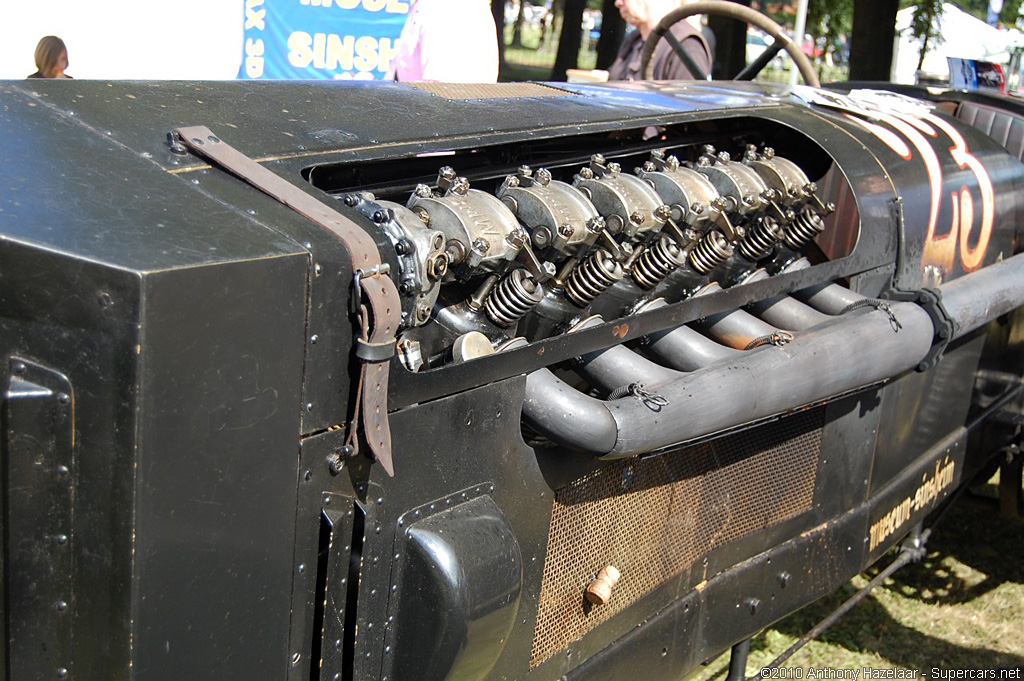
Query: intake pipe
point(770, 380)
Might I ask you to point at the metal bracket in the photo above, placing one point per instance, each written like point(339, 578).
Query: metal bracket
point(379, 326)
point(931, 301)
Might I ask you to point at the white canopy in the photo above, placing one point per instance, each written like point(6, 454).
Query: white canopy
point(962, 35)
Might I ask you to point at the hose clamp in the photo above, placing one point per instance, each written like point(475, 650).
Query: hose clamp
point(930, 300)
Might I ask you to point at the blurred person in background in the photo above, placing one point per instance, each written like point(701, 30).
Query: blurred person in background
point(645, 15)
point(51, 58)
point(452, 41)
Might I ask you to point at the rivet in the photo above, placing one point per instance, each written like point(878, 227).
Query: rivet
point(62, 539)
point(63, 398)
point(296, 658)
point(62, 673)
point(62, 470)
point(302, 568)
point(62, 606)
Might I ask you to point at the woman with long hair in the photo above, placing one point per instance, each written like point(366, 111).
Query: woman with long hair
point(51, 58)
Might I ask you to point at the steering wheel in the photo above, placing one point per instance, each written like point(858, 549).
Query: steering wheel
point(733, 11)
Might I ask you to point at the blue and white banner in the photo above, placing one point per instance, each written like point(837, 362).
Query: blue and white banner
point(346, 39)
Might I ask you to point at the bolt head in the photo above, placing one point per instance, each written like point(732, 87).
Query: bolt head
point(543, 177)
point(566, 230)
point(422, 191)
point(460, 187)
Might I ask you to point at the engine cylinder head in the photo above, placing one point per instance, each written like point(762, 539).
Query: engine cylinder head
point(513, 297)
point(807, 225)
point(657, 262)
point(710, 252)
point(761, 239)
point(592, 277)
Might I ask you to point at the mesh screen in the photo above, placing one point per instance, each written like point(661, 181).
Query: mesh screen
point(653, 518)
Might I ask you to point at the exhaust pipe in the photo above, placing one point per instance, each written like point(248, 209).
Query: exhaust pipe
point(683, 348)
point(770, 380)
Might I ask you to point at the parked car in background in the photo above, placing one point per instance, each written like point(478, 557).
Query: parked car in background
point(758, 42)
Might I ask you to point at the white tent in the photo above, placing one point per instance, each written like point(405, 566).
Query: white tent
point(961, 35)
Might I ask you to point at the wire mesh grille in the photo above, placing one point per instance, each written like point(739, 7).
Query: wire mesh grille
point(653, 518)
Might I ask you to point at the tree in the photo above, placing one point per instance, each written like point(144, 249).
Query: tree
point(874, 29)
point(570, 39)
point(829, 19)
point(498, 13)
point(613, 29)
point(924, 26)
point(517, 30)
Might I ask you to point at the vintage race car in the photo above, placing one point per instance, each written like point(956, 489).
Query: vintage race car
point(521, 381)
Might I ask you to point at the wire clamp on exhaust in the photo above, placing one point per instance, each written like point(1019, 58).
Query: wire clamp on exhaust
point(650, 399)
point(777, 338)
point(878, 305)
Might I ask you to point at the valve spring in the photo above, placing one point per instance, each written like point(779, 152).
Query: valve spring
point(657, 262)
point(710, 252)
point(806, 226)
point(513, 297)
point(592, 277)
point(760, 239)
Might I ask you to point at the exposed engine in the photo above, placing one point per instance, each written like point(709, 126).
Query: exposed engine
point(539, 254)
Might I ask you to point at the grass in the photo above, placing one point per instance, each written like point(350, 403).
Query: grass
point(959, 608)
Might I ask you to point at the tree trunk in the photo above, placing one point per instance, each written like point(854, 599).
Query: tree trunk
point(570, 39)
point(613, 29)
point(874, 29)
point(924, 51)
point(517, 32)
point(730, 45)
point(498, 12)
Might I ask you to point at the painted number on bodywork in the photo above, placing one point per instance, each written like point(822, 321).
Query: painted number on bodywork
point(941, 248)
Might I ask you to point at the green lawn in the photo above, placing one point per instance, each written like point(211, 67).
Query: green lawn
point(960, 608)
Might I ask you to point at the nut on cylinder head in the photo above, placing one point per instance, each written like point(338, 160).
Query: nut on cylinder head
point(599, 591)
point(437, 266)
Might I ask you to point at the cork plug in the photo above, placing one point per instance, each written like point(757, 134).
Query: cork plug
point(599, 592)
